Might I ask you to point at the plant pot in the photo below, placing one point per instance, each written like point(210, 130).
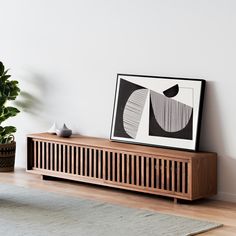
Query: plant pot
point(7, 156)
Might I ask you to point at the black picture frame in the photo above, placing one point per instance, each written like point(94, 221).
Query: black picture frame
point(158, 111)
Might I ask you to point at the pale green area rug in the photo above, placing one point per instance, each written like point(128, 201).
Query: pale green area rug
point(31, 212)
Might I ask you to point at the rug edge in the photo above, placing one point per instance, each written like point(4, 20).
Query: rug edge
point(205, 230)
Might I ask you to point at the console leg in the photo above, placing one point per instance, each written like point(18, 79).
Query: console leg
point(45, 177)
point(175, 200)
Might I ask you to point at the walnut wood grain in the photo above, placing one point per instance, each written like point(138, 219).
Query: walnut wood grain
point(186, 175)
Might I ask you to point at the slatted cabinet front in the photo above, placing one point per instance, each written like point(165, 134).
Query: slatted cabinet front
point(135, 171)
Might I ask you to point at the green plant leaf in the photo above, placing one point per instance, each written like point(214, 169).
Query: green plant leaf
point(2, 101)
point(8, 112)
point(9, 129)
point(2, 68)
point(13, 110)
point(6, 134)
point(5, 72)
point(5, 77)
point(9, 90)
point(1, 130)
point(15, 82)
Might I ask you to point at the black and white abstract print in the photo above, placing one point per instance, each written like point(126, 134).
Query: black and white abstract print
point(157, 111)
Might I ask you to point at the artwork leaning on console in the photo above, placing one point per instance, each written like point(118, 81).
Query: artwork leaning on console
point(158, 111)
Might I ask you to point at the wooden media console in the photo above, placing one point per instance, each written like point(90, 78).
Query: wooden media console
point(178, 174)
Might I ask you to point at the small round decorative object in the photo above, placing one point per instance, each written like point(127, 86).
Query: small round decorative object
point(64, 132)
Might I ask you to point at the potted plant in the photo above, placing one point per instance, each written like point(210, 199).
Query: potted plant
point(9, 90)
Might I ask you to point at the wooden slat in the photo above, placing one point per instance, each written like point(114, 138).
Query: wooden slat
point(90, 163)
point(167, 174)
point(162, 173)
point(35, 153)
point(132, 169)
point(43, 155)
point(51, 156)
point(68, 159)
point(137, 171)
point(157, 173)
point(128, 169)
point(104, 164)
point(190, 178)
point(81, 161)
point(183, 177)
point(118, 167)
point(108, 166)
point(142, 171)
point(147, 172)
point(152, 174)
point(72, 160)
point(113, 166)
point(55, 157)
point(123, 168)
point(59, 157)
point(77, 161)
point(85, 162)
point(47, 156)
point(64, 158)
point(95, 163)
point(187, 178)
point(173, 176)
point(178, 176)
point(39, 154)
point(99, 164)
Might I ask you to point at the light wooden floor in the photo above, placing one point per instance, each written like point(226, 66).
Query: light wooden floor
point(217, 211)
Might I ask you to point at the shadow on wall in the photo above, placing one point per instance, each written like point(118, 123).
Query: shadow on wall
point(32, 96)
point(226, 178)
point(213, 138)
point(212, 135)
point(29, 103)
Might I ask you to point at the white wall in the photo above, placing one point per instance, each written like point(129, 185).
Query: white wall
point(66, 54)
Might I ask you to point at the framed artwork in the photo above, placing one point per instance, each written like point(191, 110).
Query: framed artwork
point(158, 111)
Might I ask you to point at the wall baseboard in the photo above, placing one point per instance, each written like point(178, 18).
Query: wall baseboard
point(223, 196)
